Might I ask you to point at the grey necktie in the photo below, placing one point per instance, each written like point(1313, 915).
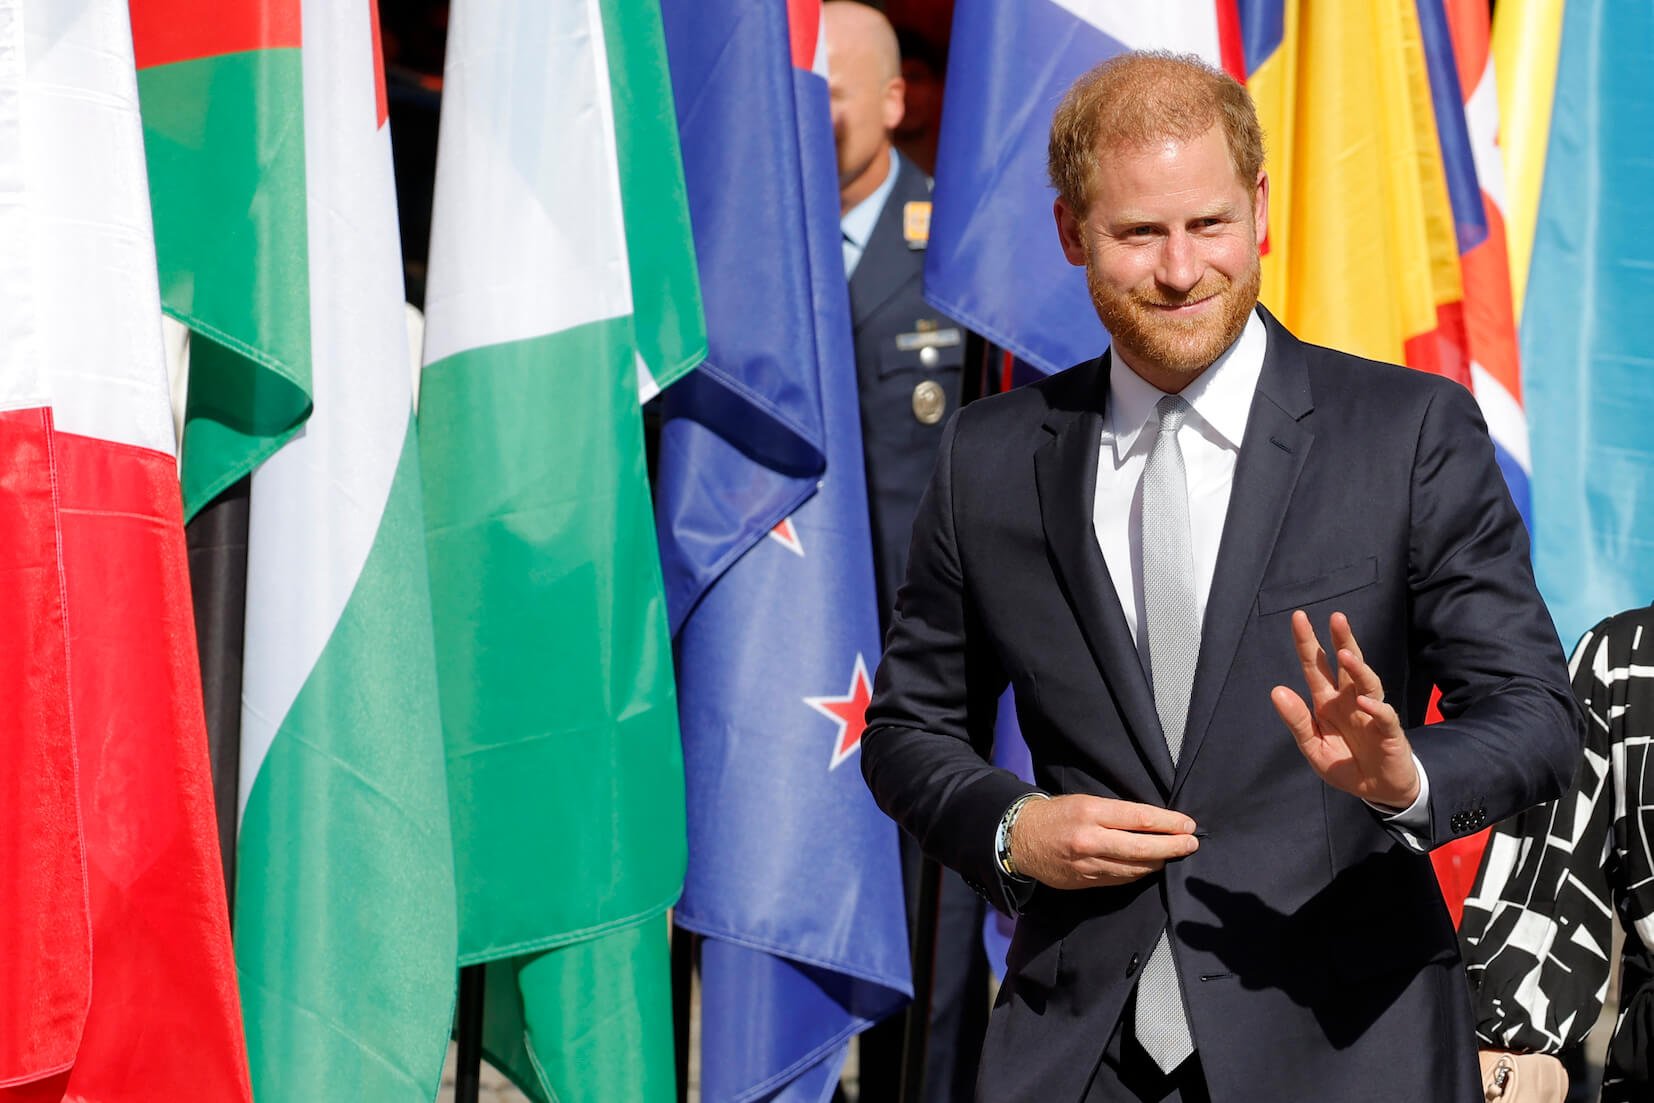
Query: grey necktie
point(1174, 643)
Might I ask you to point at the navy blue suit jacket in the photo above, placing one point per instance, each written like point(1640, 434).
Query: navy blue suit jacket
point(1317, 958)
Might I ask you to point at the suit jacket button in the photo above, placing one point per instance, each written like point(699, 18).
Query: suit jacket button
point(1131, 966)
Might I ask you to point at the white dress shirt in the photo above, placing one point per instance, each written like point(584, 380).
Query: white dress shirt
point(856, 225)
point(1220, 402)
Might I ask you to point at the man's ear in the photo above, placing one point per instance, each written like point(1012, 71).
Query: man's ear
point(895, 103)
point(1260, 206)
point(1069, 232)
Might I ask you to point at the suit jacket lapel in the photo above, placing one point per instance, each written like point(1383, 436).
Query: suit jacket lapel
point(887, 263)
point(1065, 473)
point(1271, 457)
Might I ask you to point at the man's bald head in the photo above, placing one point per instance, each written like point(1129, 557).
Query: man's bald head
point(864, 71)
point(862, 31)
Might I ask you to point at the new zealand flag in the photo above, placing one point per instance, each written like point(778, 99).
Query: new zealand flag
point(794, 879)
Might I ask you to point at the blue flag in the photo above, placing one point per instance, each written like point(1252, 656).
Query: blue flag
point(1586, 346)
point(794, 878)
point(994, 261)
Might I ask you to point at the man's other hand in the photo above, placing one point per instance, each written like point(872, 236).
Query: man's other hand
point(1351, 737)
point(1081, 842)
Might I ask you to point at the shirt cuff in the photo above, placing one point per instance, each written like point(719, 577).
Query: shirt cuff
point(1413, 822)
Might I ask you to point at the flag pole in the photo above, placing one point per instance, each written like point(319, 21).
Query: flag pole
point(217, 540)
point(685, 951)
point(916, 1036)
point(684, 947)
point(468, 1032)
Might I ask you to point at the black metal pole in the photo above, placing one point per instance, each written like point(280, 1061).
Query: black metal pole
point(468, 1032)
point(916, 1038)
point(685, 944)
point(217, 539)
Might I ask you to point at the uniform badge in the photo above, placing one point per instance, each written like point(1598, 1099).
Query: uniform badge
point(930, 402)
point(926, 335)
point(916, 223)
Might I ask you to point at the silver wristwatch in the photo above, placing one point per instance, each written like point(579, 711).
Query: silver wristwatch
point(1002, 837)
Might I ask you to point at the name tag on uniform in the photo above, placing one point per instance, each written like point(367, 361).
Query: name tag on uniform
point(928, 339)
point(916, 223)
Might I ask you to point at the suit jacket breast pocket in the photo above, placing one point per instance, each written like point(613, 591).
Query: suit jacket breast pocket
point(1282, 596)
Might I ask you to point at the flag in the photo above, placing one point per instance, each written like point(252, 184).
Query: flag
point(1363, 249)
point(108, 819)
point(344, 920)
point(561, 282)
point(46, 973)
point(223, 113)
point(1490, 321)
point(1584, 329)
point(1456, 36)
point(794, 882)
point(1526, 41)
point(994, 260)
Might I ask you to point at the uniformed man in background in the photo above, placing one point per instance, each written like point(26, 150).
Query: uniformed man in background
point(908, 367)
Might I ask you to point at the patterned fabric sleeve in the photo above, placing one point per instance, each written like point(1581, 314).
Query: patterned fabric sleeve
point(1538, 924)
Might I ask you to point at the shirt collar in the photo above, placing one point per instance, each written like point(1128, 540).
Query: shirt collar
point(858, 222)
point(1220, 397)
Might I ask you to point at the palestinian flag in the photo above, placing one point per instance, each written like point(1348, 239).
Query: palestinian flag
point(562, 285)
point(344, 915)
point(117, 980)
point(223, 110)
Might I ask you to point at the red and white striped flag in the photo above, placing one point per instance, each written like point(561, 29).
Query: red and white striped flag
point(118, 982)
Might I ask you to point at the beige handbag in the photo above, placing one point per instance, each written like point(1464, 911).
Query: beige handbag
point(1522, 1077)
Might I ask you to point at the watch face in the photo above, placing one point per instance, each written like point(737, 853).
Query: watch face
point(1002, 837)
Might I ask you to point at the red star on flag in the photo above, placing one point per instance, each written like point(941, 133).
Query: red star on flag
point(787, 536)
point(849, 712)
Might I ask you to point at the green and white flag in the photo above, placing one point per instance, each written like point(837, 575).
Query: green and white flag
point(562, 283)
point(224, 131)
point(345, 930)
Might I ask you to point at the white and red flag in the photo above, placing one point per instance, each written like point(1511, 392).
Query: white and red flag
point(116, 980)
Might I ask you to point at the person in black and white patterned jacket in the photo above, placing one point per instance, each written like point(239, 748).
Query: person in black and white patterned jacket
point(1538, 924)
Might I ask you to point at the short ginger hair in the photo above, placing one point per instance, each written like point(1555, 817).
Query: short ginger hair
point(1136, 100)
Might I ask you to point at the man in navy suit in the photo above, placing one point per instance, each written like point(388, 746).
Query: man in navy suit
point(1222, 886)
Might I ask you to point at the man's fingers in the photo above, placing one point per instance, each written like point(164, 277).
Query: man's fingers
point(1362, 677)
point(1116, 871)
point(1343, 636)
point(1294, 713)
point(1317, 673)
point(1093, 872)
point(1125, 815)
point(1389, 722)
point(1301, 722)
point(1135, 846)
